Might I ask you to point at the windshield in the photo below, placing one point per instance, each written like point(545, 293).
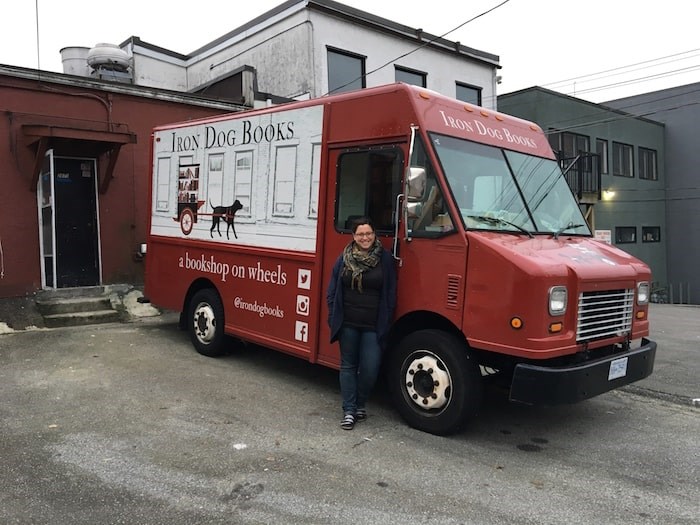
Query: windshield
point(496, 189)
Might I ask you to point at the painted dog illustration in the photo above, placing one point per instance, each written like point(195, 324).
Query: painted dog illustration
point(228, 213)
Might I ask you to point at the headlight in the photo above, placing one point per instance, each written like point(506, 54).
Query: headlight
point(557, 300)
point(643, 293)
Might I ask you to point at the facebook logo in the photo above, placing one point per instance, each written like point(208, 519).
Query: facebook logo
point(301, 332)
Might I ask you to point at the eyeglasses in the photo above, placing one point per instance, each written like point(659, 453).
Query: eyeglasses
point(367, 234)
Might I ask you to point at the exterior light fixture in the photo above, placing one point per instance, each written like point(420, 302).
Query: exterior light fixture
point(608, 194)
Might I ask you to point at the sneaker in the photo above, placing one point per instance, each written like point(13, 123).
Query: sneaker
point(348, 422)
point(361, 414)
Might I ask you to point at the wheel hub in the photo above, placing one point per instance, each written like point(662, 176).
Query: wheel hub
point(204, 323)
point(427, 383)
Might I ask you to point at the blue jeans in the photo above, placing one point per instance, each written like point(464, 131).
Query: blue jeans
point(360, 359)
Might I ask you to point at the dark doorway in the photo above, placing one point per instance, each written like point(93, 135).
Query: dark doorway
point(75, 208)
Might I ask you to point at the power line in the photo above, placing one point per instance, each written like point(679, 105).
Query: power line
point(581, 121)
point(637, 80)
point(609, 120)
point(620, 71)
point(619, 68)
point(427, 43)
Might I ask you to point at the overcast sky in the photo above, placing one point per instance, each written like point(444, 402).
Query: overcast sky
point(597, 50)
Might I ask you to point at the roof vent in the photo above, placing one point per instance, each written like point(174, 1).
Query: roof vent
point(108, 56)
point(109, 62)
point(74, 59)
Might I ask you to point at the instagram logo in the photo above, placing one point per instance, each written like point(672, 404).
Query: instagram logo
point(303, 304)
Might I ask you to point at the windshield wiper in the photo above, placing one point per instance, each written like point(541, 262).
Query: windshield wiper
point(570, 226)
point(498, 220)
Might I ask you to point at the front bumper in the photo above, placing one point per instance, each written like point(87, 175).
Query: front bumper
point(541, 385)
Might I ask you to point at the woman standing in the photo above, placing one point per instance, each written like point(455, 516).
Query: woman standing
point(361, 299)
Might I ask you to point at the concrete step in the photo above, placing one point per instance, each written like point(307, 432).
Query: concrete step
point(73, 305)
point(67, 293)
point(79, 306)
point(82, 318)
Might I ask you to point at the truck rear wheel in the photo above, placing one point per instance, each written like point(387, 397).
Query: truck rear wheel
point(205, 323)
point(435, 382)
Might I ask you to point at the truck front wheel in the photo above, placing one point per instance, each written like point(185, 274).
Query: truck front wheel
point(435, 382)
point(205, 323)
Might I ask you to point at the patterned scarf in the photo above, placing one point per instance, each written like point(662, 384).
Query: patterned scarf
point(356, 261)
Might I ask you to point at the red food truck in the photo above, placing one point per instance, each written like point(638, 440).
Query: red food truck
point(498, 273)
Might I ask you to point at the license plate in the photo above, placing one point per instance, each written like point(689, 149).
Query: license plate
point(618, 368)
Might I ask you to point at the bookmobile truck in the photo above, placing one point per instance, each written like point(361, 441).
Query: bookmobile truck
point(498, 273)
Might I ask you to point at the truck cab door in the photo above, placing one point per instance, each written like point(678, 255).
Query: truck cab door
point(432, 250)
point(364, 181)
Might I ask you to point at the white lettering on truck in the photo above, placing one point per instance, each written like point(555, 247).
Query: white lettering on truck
point(502, 134)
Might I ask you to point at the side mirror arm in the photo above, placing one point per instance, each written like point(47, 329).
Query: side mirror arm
point(397, 216)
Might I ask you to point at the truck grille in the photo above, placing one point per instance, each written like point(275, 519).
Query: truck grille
point(604, 314)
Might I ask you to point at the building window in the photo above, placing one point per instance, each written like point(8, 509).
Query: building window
point(470, 94)
point(568, 145)
point(243, 181)
point(346, 71)
point(285, 179)
point(215, 176)
point(651, 234)
point(162, 190)
point(601, 148)
point(409, 76)
point(623, 163)
point(625, 234)
point(647, 164)
point(315, 180)
point(573, 144)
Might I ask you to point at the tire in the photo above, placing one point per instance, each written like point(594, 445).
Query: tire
point(435, 383)
point(205, 323)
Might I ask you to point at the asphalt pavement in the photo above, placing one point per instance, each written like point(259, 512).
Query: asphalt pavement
point(125, 423)
point(675, 328)
point(676, 376)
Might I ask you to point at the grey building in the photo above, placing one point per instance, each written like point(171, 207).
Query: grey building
point(615, 163)
point(679, 109)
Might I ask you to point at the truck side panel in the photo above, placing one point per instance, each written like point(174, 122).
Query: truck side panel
point(235, 207)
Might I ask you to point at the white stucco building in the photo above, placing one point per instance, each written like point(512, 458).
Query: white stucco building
point(308, 48)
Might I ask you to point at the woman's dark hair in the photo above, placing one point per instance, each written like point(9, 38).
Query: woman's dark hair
point(356, 223)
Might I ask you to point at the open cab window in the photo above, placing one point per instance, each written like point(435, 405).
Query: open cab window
point(425, 201)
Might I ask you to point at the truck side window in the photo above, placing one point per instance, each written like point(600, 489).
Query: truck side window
point(367, 184)
point(428, 215)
